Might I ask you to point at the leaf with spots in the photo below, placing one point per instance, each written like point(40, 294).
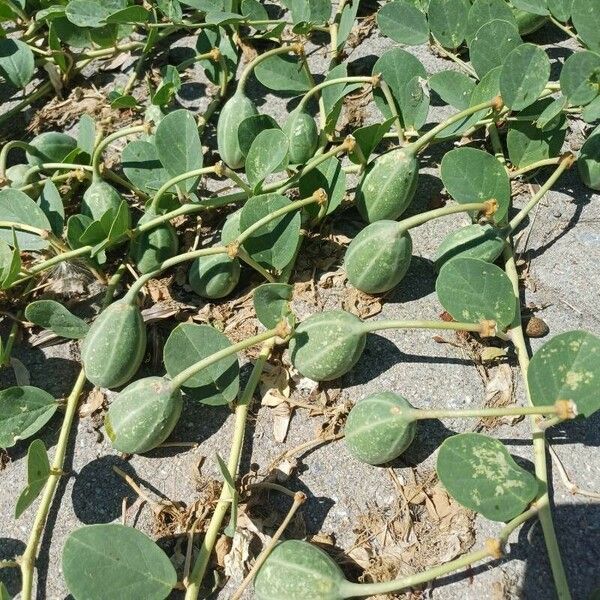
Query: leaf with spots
point(24, 410)
point(473, 290)
point(448, 21)
point(524, 75)
point(479, 473)
point(472, 175)
point(567, 368)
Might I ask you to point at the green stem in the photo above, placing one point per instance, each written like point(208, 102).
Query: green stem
point(539, 442)
point(454, 58)
point(55, 167)
point(493, 549)
point(496, 143)
point(389, 98)
point(547, 162)
point(338, 80)
point(7, 148)
point(43, 90)
point(564, 28)
point(488, 207)
point(241, 414)
point(430, 135)
point(97, 155)
point(503, 411)
point(177, 179)
point(295, 48)
point(245, 257)
point(27, 560)
point(192, 370)
point(371, 326)
point(565, 163)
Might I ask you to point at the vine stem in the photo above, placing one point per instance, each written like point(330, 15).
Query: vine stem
point(295, 48)
point(566, 161)
point(44, 89)
point(517, 337)
point(564, 28)
point(488, 207)
point(493, 549)
point(7, 148)
point(338, 80)
point(485, 328)
point(562, 408)
point(27, 560)
point(241, 414)
point(97, 155)
point(389, 98)
point(453, 57)
point(177, 179)
point(547, 162)
point(299, 500)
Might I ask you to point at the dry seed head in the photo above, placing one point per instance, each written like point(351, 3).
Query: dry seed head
point(320, 196)
point(491, 206)
point(566, 409)
point(297, 48)
point(79, 174)
point(488, 328)
point(283, 329)
point(233, 249)
point(215, 54)
point(375, 80)
point(148, 125)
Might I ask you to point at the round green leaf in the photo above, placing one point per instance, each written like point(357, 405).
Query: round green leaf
point(250, 127)
point(24, 410)
point(472, 175)
point(52, 315)
point(524, 75)
point(272, 303)
point(414, 103)
point(283, 74)
point(567, 368)
point(142, 166)
point(16, 61)
point(188, 344)
point(52, 205)
point(551, 116)
point(117, 562)
point(580, 77)
point(453, 87)
point(178, 144)
point(17, 207)
point(528, 144)
point(586, 18)
point(490, 45)
point(398, 68)
point(448, 21)
point(473, 290)
point(50, 146)
point(403, 22)
point(478, 472)
point(92, 13)
point(484, 11)
point(274, 244)
point(267, 155)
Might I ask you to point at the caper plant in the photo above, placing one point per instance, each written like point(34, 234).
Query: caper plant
point(61, 202)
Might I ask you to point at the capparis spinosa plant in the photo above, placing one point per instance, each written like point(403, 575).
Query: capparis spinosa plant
point(63, 203)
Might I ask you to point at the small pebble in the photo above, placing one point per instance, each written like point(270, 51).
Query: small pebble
point(536, 328)
point(557, 213)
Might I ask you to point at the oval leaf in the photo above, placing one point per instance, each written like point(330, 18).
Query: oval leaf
point(24, 411)
point(188, 344)
point(580, 77)
point(178, 144)
point(283, 74)
point(52, 315)
point(586, 18)
point(567, 368)
point(143, 167)
point(448, 21)
point(403, 22)
point(272, 303)
point(16, 61)
point(491, 44)
point(524, 75)
point(267, 155)
point(250, 127)
point(479, 473)
point(138, 568)
point(472, 175)
point(274, 244)
point(38, 471)
point(17, 207)
point(472, 290)
point(484, 11)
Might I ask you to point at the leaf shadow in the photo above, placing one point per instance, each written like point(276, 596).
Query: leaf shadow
point(10, 548)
